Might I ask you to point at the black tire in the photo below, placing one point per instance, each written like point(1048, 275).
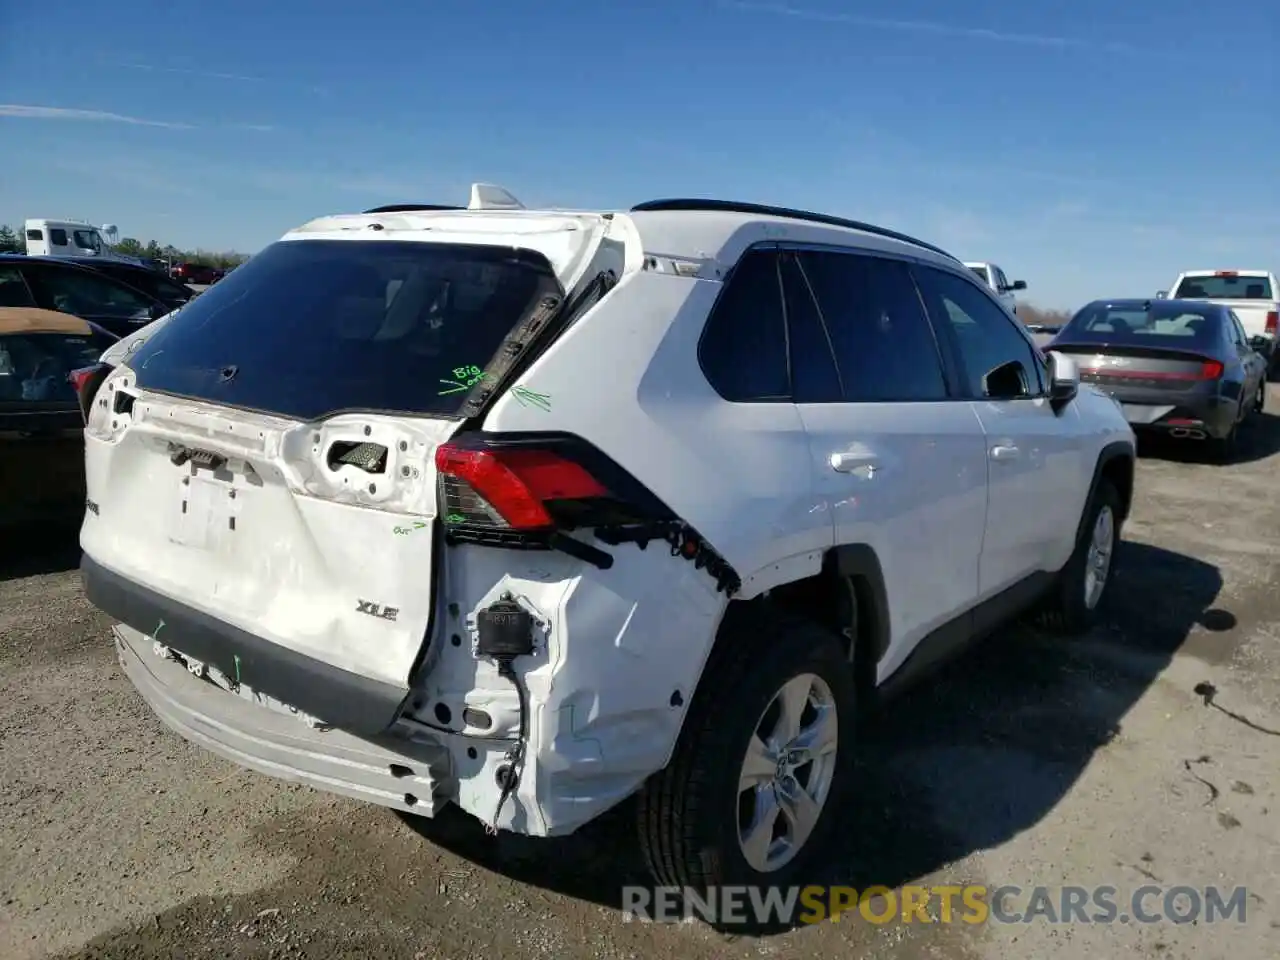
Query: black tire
point(1065, 610)
point(688, 813)
point(1222, 450)
point(1260, 401)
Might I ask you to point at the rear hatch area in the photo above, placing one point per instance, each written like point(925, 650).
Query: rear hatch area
point(261, 473)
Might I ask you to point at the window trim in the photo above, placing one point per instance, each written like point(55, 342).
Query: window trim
point(949, 335)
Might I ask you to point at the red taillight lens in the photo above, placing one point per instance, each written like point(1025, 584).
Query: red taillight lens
point(1273, 322)
point(1210, 370)
point(78, 378)
point(509, 487)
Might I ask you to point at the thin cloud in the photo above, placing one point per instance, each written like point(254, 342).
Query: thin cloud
point(924, 26)
point(212, 75)
point(31, 112)
point(257, 127)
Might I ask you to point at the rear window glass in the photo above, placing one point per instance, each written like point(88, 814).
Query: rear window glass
point(34, 366)
point(1224, 288)
point(309, 328)
point(1134, 325)
point(980, 273)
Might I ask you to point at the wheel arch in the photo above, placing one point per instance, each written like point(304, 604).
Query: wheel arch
point(1115, 464)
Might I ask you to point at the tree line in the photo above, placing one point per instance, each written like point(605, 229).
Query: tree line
point(13, 241)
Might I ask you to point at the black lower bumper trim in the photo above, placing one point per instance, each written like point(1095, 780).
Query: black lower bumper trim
point(338, 697)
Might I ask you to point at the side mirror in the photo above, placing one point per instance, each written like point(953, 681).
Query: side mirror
point(1018, 285)
point(157, 311)
point(1005, 382)
point(1162, 294)
point(1064, 380)
point(1260, 344)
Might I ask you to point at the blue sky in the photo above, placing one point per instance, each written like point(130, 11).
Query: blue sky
point(1092, 149)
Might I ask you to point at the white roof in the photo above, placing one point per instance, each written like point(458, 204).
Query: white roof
point(496, 217)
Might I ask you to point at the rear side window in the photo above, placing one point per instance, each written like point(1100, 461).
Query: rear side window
point(884, 345)
point(309, 328)
point(743, 350)
point(84, 293)
point(58, 237)
point(13, 289)
point(1224, 286)
point(814, 377)
point(34, 366)
point(35, 234)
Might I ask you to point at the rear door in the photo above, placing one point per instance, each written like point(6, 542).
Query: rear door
point(1033, 453)
point(266, 457)
point(898, 455)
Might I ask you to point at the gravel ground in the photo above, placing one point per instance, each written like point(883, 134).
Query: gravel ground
point(1031, 761)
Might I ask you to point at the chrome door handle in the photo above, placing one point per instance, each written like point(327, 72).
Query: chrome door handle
point(1005, 451)
point(855, 463)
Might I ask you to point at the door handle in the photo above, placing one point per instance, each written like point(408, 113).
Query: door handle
point(1005, 452)
point(862, 464)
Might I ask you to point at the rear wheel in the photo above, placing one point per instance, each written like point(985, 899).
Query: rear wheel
point(1260, 401)
point(753, 788)
point(1222, 449)
point(1074, 604)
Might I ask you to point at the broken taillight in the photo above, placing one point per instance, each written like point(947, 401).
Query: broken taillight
point(503, 484)
point(86, 381)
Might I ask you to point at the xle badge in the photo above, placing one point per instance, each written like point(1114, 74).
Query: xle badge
point(377, 610)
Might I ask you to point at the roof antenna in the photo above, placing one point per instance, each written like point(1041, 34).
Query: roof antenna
point(490, 196)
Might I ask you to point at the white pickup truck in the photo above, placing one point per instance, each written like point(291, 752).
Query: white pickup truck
point(1253, 295)
point(991, 274)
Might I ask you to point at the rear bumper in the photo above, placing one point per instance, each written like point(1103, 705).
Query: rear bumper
point(1214, 415)
point(414, 779)
point(340, 698)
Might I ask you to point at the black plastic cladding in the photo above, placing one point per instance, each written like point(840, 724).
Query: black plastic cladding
point(411, 207)
point(661, 523)
point(764, 210)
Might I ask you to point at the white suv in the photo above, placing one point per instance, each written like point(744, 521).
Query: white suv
point(532, 512)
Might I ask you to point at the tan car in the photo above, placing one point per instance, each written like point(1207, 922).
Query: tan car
point(41, 424)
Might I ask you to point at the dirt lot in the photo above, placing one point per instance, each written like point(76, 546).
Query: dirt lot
point(1033, 761)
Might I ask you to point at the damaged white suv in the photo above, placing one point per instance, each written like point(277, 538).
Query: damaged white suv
point(532, 512)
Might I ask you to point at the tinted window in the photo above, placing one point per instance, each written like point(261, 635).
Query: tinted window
point(743, 350)
point(13, 289)
point(980, 273)
point(1224, 287)
point(1157, 324)
point(86, 239)
point(814, 378)
point(314, 327)
point(87, 294)
point(884, 346)
point(34, 366)
point(58, 237)
point(984, 334)
point(148, 281)
point(35, 234)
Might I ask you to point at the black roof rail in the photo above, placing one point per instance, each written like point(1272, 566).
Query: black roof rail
point(764, 210)
point(410, 207)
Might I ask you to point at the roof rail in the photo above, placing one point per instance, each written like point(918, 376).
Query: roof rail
point(409, 207)
point(764, 210)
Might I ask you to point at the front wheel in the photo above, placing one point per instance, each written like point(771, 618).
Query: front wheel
point(753, 787)
point(1076, 601)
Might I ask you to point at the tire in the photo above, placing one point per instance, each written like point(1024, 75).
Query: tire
point(1072, 607)
point(1260, 401)
point(689, 814)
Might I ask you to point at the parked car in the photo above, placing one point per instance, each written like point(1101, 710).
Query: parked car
point(1184, 368)
point(598, 505)
point(1254, 295)
point(153, 283)
point(196, 273)
point(41, 429)
point(994, 277)
point(53, 283)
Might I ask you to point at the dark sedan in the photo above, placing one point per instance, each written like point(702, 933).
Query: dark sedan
point(51, 283)
point(41, 422)
point(1184, 368)
point(149, 280)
